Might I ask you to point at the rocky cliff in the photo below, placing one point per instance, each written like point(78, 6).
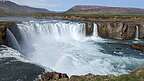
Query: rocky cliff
point(121, 30)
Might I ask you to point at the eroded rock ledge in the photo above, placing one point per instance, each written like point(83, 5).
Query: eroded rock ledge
point(137, 75)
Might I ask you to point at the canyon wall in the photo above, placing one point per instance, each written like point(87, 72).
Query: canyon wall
point(120, 30)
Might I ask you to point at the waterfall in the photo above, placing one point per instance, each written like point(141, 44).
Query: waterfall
point(137, 33)
point(59, 45)
point(56, 30)
point(12, 41)
point(95, 31)
point(95, 36)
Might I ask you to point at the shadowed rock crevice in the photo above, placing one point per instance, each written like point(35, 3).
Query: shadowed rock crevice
point(89, 28)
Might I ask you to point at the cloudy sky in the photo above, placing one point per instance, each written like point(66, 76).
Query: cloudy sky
point(61, 5)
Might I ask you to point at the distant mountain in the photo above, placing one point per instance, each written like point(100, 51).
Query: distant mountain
point(91, 9)
point(11, 8)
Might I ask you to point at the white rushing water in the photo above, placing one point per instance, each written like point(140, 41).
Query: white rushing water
point(95, 32)
point(137, 33)
point(9, 52)
point(63, 47)
point(58, 30)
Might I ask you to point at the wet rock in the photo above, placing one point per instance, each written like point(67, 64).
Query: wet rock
point(3, 28)
point(12, 69)
point(53, 76)
point(138, 47)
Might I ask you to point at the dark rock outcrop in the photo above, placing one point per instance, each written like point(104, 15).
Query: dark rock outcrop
point(138, 47)
point(89, 28)
point(12, 69)
point(3, 28)
point(53, 76)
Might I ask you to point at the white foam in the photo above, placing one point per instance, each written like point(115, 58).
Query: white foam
point(9, 52)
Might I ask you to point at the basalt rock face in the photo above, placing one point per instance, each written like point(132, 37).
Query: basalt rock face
point(3, 28)
point(118, 30)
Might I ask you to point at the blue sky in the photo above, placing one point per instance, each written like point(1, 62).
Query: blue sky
point(61, 5)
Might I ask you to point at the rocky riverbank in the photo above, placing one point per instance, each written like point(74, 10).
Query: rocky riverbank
point(137, 75)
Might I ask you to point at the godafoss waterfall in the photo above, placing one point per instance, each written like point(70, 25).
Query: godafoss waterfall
point(65, 47)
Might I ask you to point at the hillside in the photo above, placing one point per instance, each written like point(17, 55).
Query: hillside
point(11, 8)
point(92, 9)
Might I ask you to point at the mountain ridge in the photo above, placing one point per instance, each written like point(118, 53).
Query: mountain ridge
point(12, 8)
point(9, 8)
point(80, 9)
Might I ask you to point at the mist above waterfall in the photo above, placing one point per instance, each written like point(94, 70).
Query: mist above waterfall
point(64, 47)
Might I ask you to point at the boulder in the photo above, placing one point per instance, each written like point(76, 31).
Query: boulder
point(138, 47)
point(53, 76)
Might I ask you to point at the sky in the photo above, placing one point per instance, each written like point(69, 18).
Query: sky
point(62, 5)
